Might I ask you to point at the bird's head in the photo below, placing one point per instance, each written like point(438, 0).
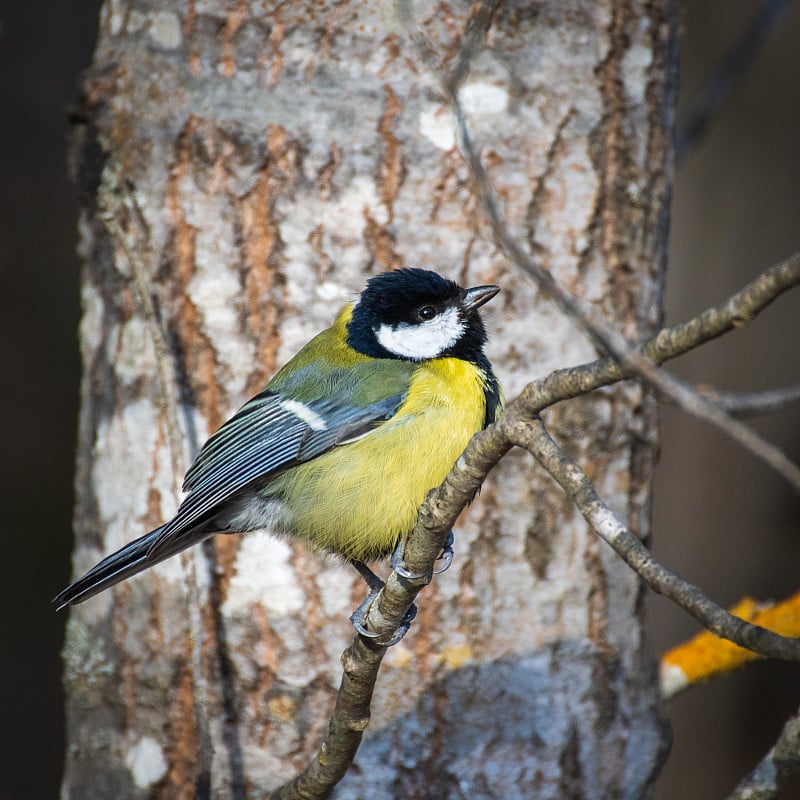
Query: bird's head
point(415, 314)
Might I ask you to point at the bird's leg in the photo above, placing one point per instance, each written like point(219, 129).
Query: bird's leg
point(373, 581)
point(358, 617)
point(398, 563)
point(376, 584)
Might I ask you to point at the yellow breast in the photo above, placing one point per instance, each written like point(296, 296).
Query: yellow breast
point(358, 499)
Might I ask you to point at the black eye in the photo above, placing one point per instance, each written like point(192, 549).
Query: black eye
point(426, 313)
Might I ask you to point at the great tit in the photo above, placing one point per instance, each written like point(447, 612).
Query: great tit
point(342, 446)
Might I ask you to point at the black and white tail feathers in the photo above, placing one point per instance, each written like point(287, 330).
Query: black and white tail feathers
point(129, 560)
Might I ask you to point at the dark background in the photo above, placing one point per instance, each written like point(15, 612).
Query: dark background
point(721, 519)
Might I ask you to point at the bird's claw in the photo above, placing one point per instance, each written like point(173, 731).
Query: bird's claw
point(359, 616)
point(398, 563)
point(446, 556)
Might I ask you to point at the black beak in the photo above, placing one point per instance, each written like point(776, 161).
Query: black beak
point(478, 295)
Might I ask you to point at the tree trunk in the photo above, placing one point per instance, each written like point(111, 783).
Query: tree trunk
point(245, 168)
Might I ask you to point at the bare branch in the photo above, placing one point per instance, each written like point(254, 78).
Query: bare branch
point(776, 768)
point(738, 311)
point(611, 340)
point(362, 659)
point(752, 404)
point(116, 206)
point(689, 400)
point(729, 73)
point(535, 438)
point(350, 718)
point(443, 504)
point(441, 509)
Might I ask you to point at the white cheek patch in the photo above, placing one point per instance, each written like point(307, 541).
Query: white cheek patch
point(424, 339)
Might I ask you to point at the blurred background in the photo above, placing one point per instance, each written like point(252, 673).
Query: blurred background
point(721, 519)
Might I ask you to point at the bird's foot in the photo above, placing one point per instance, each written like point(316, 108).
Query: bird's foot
point(359, 616)
point(398, 563)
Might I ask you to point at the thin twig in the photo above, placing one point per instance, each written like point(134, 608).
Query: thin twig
point(574, 481)
point(738, 311)
point(115, 206)
point(753, 404)
point(443, 505)
point(350, 718)
point(776, 768)
point(611, 340)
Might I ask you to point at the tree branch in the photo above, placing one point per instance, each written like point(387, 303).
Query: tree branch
point(119, 208)
point(631, 358)
point(519, 425)
point(572, 479)
point(775, 769)
point(752, 404)
point(734, 313)
point(350, 718)
point(443, 505)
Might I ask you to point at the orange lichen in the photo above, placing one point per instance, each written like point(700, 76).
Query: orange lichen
point(705, 656)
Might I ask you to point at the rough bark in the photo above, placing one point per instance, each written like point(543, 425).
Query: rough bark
point(245, 168)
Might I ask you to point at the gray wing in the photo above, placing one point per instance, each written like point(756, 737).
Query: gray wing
point(269, 433)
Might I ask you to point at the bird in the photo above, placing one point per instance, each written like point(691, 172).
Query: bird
point(342, 446)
